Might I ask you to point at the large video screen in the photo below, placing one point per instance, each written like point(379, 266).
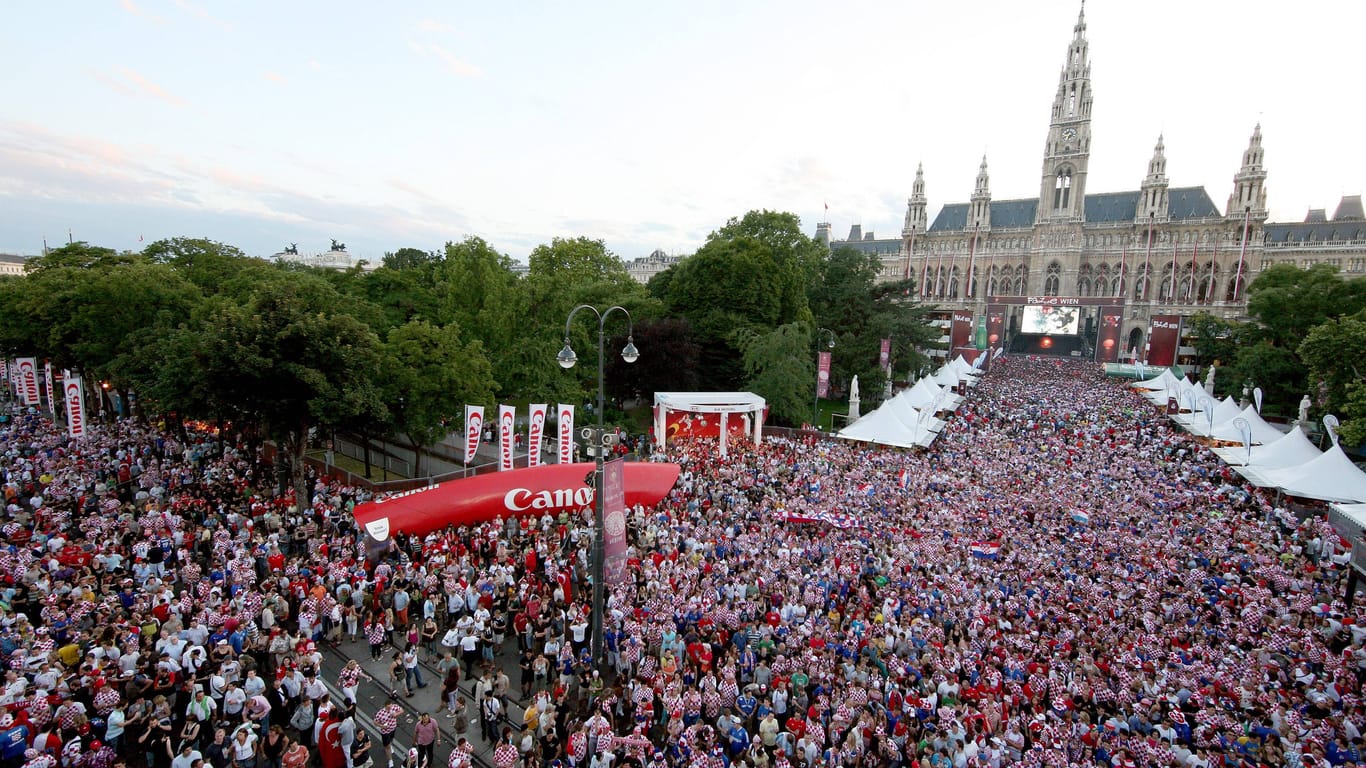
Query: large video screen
point(1040, 319)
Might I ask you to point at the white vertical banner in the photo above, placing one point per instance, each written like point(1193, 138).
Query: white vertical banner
point(565, 444)
point(474, 428)
point(47, 382)
point(535, 433)
point(507, 419)
point(74, 395)
point(28, 380)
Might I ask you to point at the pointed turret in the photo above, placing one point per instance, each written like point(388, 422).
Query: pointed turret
point(979, 214)
point(1152, 200)
point(1249, 184)
point(916, 215)
point(1067, 151)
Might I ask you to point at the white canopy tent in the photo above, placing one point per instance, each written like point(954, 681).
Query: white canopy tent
point(888, 425)
point(1199, 423)
point(1292, 449)
point(1262, 432)
point(748, 405)
point(1329, 477)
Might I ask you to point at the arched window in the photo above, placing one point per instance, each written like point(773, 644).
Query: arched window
point(1052, 279)
point(1062, 190)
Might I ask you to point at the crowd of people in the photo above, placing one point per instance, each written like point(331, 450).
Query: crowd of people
point(1062, 579)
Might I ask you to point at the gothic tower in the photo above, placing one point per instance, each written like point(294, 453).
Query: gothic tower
point(979, 210)
point(1249, 185)
point(1068, 149)
point(1152, 198)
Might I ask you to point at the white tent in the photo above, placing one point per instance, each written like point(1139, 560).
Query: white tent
point(885, 426)
point(1159, 383)
point(1262, 432)
point(747, 405)
point(1199, 423)
point(1292, 449)
point(1330, 477)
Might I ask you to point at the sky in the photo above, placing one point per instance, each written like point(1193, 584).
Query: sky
point(645, 125)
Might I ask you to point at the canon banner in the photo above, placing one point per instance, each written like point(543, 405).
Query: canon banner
point(507, 428)
point(47, 382)
point(614, 522)
point(28, 380)
point(1107, 350)
point(474, 428)
point(535, 432)
point(565, 443)
point(544, 490)
point(1164, 334)
point(960, 333)
point(74, 395)
point(823, 374)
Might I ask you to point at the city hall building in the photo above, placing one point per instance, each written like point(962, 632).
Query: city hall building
point(1127, 266)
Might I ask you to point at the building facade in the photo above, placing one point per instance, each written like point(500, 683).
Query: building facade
point(1155, 251)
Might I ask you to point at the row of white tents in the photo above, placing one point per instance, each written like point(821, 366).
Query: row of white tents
point(1266, 456)
point(909, 418)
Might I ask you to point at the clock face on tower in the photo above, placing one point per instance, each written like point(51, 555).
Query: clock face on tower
point(1069, 134)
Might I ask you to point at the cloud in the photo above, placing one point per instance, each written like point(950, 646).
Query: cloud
point(438, 27)
point(454, 64)
point(133, 8)
point(129, 82)
point(202, 14)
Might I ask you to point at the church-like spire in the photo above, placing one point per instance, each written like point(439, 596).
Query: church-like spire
point(980, 207)
point(916, 215)
point(1249, 184)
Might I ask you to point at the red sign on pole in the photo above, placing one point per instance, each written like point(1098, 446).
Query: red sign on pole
point(823, 374)
point(614, 522)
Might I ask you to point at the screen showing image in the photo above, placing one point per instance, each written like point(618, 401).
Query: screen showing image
point(1038, 319)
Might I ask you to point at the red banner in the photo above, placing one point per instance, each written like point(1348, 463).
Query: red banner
point(74, 395)
point(549, 489)
point(507, 422)
point(1164, 334)
point(47, 382)
point(535, 432)
point(960, 332)
point(1108, 341)
point(474, 429)
point(823, 374)
point(996, 327)
point(679, 424)
point(565, 443)
point(28, 380)
point(614, 522)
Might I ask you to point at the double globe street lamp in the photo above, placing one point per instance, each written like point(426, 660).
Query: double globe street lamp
point(599, 442)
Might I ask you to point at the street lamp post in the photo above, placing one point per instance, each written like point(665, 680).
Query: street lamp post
point(599, 441)
point(816, 398)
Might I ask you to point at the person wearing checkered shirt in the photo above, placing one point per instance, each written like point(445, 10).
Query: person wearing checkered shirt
point(386, 720)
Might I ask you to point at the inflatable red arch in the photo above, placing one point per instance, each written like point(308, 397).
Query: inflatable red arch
point(553, 488)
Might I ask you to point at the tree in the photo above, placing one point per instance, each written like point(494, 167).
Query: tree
point(668, 360)
point(778, 367)
point(1335, 352)
point(430, 373)
point(795, 256)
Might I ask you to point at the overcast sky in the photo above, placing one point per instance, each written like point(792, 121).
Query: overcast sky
point(644, 124)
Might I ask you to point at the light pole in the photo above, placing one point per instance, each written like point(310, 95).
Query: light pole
point(816, 400)
point(599, 440)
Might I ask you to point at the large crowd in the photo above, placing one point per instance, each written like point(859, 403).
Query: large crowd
point(1062, 579)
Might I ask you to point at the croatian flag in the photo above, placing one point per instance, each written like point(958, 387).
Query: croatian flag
point(1080, 518)
point(987, 550)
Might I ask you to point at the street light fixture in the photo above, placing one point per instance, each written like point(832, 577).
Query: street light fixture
point(816, 398)
point(599, 441)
